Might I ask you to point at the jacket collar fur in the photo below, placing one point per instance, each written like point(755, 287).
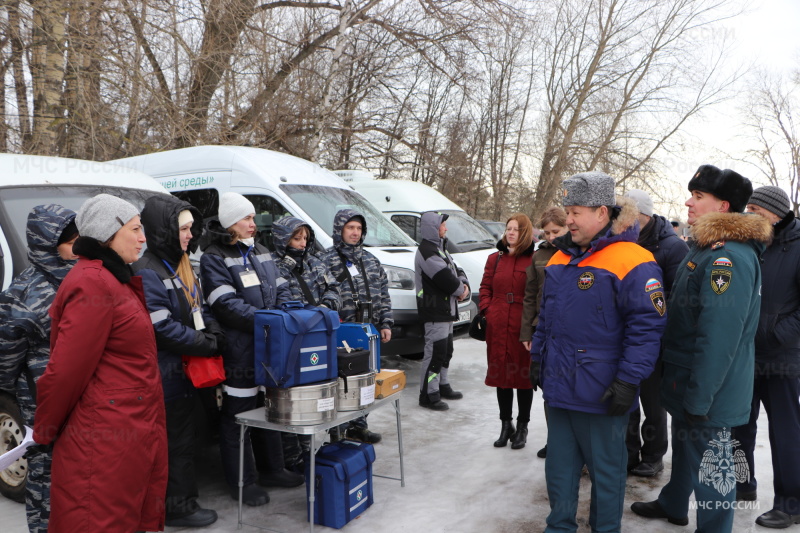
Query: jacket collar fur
point(736, 227)
point(91, 249)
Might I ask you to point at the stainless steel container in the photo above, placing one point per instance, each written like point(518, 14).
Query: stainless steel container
point(302, 405)
point(360, 392)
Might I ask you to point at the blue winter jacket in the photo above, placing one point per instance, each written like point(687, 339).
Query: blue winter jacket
point(234, 305)
point(602, 315)
point(169, 309)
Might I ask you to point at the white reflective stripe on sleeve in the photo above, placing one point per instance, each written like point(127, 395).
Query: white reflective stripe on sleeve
point(280, 281)
point(219, 291)
point(158, 316)
point(240, 393)
point(231, 261)
point(169, 285)
point(263, 258)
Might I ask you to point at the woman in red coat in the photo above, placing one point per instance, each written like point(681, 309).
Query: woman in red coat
point(501, 294)
point(100, 401)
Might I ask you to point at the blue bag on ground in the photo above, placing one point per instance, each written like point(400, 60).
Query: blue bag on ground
point(343, 484)
point(295, 345)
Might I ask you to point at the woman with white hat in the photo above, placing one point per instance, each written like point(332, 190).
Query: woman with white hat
point(239, 277)
point(100, 401)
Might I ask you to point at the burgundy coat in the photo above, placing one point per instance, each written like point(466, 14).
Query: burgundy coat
point(100, 402)
point(501, 294)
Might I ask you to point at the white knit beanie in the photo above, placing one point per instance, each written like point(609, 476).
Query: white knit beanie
point(233, 207)
point(101, 216)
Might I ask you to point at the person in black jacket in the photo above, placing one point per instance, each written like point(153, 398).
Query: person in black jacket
point(184, 326)
point(440, 286)
point(657, 236)
point(777, 367)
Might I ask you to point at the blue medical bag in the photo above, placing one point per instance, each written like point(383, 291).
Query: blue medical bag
point(343, 484)
point(295, 345)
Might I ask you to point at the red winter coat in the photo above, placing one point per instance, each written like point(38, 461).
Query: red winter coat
point(501, 294)
point(100, 401)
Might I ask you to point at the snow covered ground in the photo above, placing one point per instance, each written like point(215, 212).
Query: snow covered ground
point(456, 481)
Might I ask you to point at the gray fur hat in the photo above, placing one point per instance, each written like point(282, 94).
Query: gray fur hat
point(101, 216)
point(590, 189)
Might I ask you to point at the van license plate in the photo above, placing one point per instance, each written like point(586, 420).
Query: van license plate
point(463, 316)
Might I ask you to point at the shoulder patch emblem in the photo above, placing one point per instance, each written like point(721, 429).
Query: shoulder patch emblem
point(691, 265)
point(652, 284)
point(723, 261)
point(720, 280)
point(658, 302)
point(717, 245)
point(585, 281)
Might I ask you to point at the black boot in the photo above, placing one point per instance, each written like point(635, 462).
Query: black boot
point(506, 431)
point(434, 403)
point(519, 438)
point(447, 392)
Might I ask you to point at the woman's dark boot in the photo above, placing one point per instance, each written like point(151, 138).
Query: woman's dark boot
point(519, 438)
point(505, 433)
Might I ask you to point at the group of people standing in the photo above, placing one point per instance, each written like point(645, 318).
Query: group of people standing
point(585, 318)
point(94, 340)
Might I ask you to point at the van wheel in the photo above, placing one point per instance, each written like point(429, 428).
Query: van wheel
point(12, 479)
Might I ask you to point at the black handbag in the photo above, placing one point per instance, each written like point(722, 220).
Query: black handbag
point(352, 363)
point(477, 328)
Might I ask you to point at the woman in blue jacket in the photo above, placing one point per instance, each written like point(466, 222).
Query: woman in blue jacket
point(183, 326)
point(239, 277)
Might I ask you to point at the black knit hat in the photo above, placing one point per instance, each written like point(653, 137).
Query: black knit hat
point(773, 199)
point(724, 184)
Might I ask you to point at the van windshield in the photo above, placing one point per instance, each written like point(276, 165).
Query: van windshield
point(17, 202)
point(466, 233)
point(322, 204)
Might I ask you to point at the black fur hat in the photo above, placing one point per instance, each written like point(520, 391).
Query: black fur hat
point(724, 184)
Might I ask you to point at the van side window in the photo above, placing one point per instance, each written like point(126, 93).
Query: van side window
point(205, 200)
point(409, 224)
point(268, 210)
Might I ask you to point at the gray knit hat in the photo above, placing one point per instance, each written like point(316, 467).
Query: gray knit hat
point(101, 216)
point(773, 199)
point(643, 201)
point(591, 189)
point(233, 207)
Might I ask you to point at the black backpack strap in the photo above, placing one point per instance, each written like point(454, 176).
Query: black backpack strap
point(304, 288)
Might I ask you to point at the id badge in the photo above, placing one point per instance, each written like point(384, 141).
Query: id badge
point(249, 278)
point(353, 270)
point(197, 315)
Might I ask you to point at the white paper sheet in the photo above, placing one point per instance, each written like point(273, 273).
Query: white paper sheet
point(8, 458)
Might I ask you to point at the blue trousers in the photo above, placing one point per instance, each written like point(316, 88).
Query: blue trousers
point(781, 399)
point(715, 499)
point(575, 438)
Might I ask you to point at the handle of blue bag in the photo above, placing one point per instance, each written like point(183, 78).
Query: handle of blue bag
point(303, 327)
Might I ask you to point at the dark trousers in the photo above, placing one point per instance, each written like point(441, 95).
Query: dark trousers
point(652, 445)
point(182, 489)
point(263, 449)
point(505, 399)
point(715, 495)
point(781, 399)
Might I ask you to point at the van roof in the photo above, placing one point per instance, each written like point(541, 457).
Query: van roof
point(404, 195)
point(260, 162)
point(34, 170)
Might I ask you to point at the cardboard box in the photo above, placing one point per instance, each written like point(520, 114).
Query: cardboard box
point(388, 382)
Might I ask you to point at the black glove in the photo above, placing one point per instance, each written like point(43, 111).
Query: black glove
point(694, 419)
point(536, 367)
point(219, 334)
point(622, 395)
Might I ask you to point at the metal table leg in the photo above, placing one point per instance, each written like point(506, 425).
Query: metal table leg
point(400, 440)
point(312, 480)
point(241, 471)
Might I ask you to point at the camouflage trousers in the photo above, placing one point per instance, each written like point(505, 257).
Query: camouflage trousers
point(37, 485)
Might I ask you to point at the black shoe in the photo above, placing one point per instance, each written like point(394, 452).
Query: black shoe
point(647, 469)
point(447, 392)
point(199, 518)
point(432, 404)
point(520, 437)
point(776, 519)
point(506, 432)
point(746, 495)
point(653, 510)
point(363, 434)
point(252, 495)
point(541, 454)
point(281, 478)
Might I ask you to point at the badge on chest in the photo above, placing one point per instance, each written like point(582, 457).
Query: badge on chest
point(249, 278)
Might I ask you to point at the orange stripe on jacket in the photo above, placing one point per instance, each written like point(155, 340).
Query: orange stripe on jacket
point(619, 258)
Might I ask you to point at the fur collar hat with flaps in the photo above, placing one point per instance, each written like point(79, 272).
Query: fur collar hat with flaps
point(724, 184)
point(716, 227)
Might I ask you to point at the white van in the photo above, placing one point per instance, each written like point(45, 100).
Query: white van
point(279, 184)
point(25, 182)
point(404, 201)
